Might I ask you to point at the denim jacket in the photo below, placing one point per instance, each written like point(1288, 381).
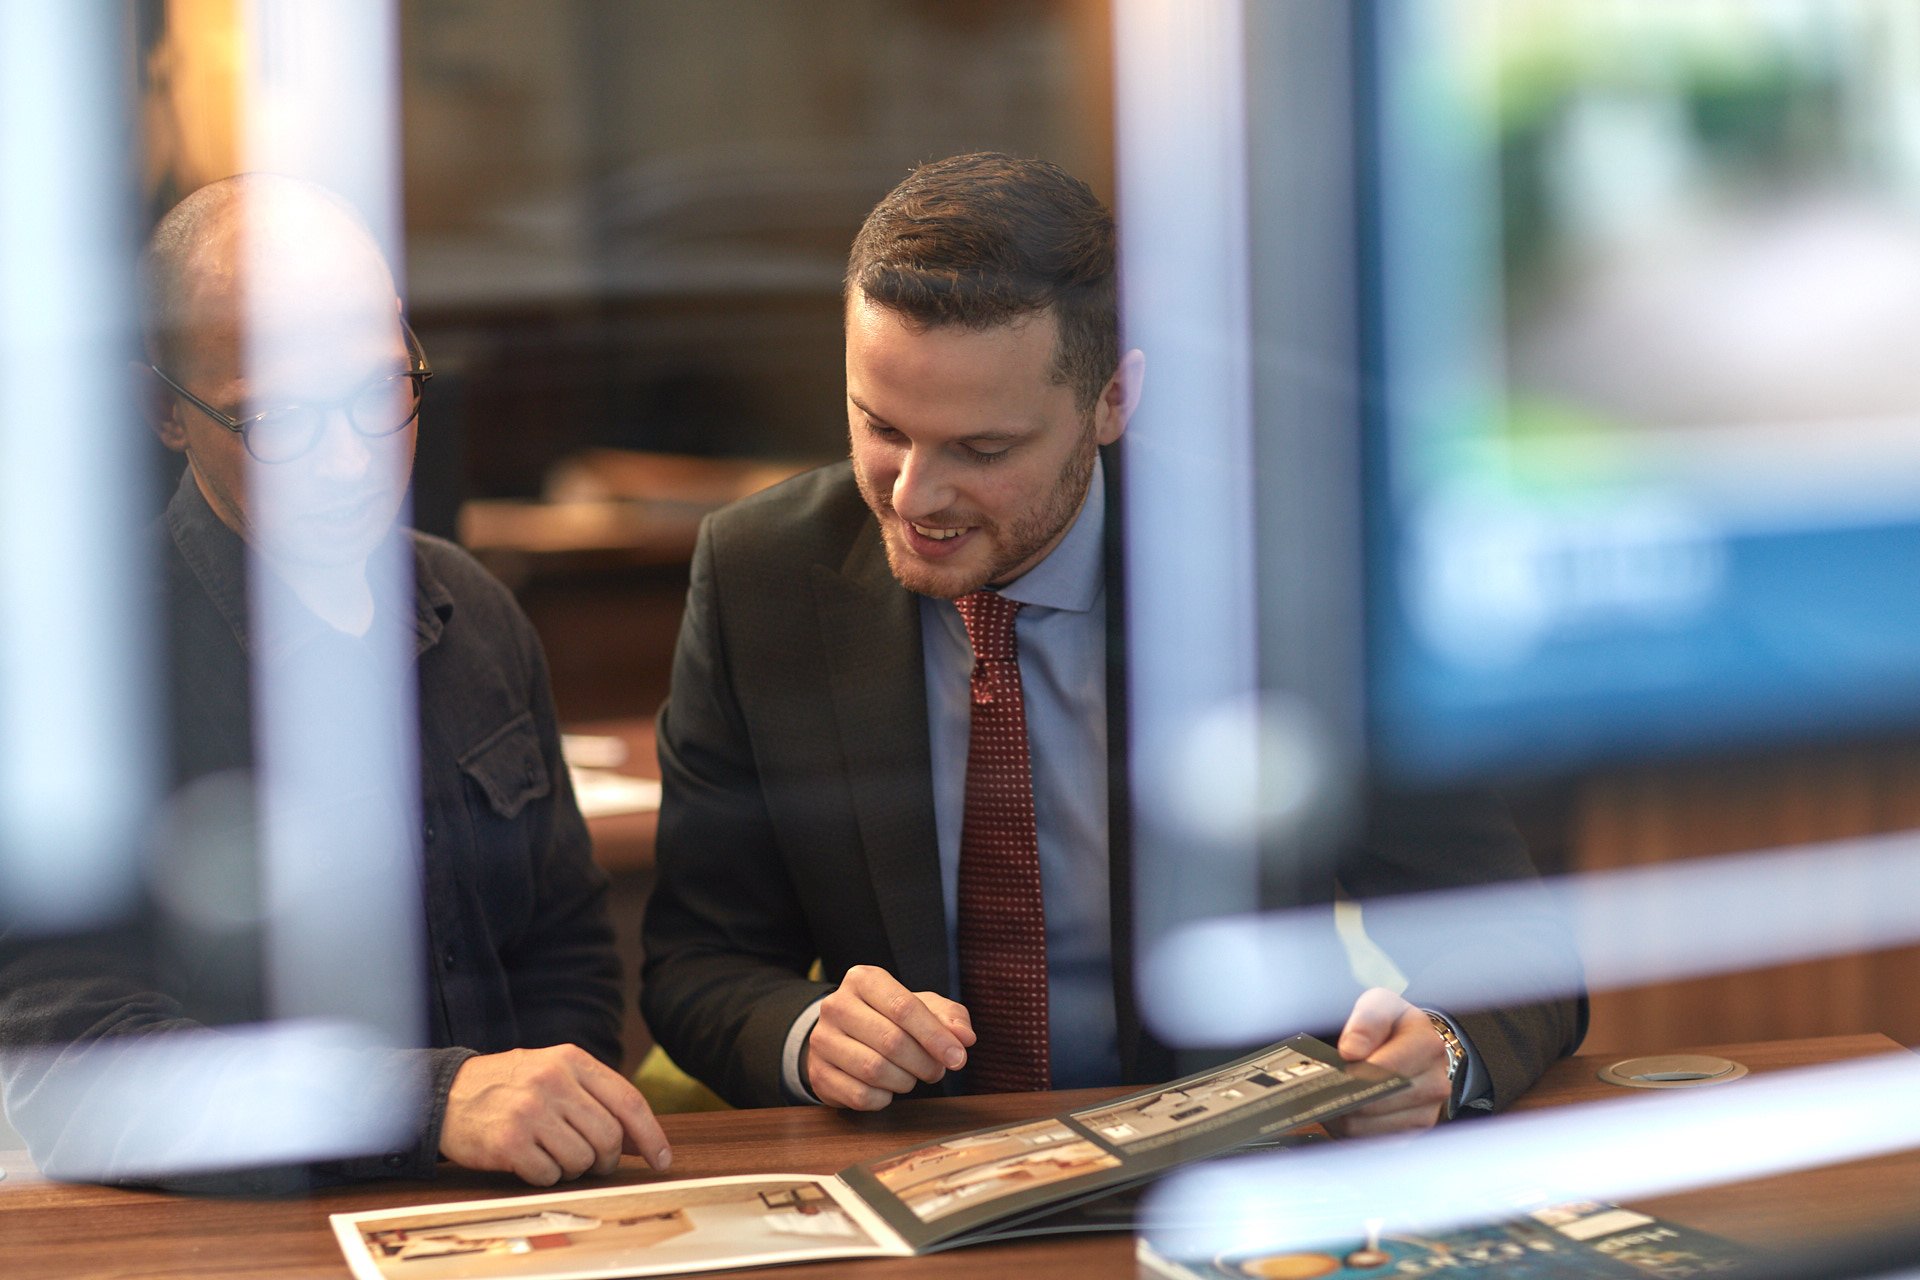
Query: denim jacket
point(519, 946)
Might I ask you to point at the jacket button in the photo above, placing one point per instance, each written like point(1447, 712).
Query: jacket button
point(426, 833)
point(446, 957)
point(395, 1160)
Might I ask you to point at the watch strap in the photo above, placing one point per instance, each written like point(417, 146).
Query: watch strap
point(1456, 1059)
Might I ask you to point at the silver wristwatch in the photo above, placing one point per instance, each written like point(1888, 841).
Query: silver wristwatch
point(1456, 1060)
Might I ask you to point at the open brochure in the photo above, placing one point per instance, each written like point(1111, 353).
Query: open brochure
point(1581, 1241)
point(964, 1189)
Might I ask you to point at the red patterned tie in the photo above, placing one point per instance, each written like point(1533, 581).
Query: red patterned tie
point(1003, 926)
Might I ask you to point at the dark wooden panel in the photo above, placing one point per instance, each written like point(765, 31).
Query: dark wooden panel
point(1655, 815)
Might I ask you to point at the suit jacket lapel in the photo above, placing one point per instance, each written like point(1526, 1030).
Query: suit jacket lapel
point(877, 678)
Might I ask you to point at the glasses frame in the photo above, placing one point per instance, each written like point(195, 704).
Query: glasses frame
point(417, 368)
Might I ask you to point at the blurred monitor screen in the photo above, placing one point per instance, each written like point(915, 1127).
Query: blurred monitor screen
point(1644, 347)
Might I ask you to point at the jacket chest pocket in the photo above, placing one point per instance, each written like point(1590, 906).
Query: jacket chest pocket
point(507, 767)
point(505, 775)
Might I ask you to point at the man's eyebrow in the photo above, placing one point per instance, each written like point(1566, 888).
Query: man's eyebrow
point(861, 405)
point(980, 437)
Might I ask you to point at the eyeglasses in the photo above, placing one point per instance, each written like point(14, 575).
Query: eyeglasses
point(379, 407)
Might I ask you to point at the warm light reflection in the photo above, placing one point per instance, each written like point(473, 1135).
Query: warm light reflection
point(193, 82)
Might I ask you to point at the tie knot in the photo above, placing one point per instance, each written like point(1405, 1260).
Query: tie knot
point(989, 618)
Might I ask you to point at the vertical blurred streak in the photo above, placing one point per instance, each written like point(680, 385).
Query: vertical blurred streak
point(1439, 234)
point(323, 103)
point(76, 772)
point(1306, 263)
point(1182, 187)
point(336, 730)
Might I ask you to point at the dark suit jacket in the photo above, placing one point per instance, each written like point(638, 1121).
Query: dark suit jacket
point(797, 817)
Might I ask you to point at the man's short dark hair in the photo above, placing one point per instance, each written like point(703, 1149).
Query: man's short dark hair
point(986, 239)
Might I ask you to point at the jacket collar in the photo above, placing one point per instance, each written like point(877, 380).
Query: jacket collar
point(218, 559)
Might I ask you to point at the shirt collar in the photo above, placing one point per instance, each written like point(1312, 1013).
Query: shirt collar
point(1072, 574)
point(218, 558)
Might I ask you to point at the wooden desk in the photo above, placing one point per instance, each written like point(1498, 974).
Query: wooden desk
point(49, 1230)
point(1798, 1208)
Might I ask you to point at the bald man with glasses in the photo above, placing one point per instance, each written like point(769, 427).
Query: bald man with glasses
point(279, 365)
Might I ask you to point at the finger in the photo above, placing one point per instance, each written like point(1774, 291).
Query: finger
point(952, 1013)
point(532, 1165)
point(869, 1027)
point(1371, 1022)
point(860, 1061)
point(884, 994)
point(567, 1146)
point(1422, 1097)
point(593, 1122)
point(838, 1089)
point(566, 1095)
point(1415, 1050)
point(628, 1108)
point(1415, 1107)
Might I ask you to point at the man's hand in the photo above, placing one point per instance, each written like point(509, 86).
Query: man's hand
point(1388, 1032)
point(547, 1115)
point(875, 1039)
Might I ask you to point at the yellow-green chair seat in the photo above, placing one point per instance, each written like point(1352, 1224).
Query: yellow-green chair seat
point(669, 1090)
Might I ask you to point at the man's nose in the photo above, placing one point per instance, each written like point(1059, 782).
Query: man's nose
point(921, 488)
point(340, 452)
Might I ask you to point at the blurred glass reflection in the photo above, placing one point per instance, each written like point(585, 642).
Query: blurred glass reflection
point(1499, 1168)
point(1637, 431)
point(1728, 914)
point(1650, 289)
point(261, 947)
point(76, 771)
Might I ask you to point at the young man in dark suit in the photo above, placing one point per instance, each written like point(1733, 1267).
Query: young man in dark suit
point(887, 742)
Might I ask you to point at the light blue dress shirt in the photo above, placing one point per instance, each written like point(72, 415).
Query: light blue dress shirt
point(1062, 635)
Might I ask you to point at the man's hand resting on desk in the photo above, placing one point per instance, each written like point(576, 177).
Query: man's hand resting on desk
point(876, 1039)
point(1387, 1031)
point(547, 1115)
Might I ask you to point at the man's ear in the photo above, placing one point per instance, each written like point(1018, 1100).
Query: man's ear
point(158, 407)
point(1119, 397)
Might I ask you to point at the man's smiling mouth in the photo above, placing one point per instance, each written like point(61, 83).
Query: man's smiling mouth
point(936, 535)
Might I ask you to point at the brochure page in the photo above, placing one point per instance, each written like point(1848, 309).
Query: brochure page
point(653, 1229)
point(941, 1191)
point(954, 1190)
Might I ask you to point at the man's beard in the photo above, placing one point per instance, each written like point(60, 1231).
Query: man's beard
point(1024, 537)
